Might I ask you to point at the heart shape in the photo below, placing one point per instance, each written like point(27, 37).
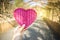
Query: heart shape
point(25, 17)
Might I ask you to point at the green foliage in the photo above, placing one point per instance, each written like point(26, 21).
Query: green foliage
point(18, 3)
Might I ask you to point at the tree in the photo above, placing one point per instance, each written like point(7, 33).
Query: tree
point(51, 9)
point(4, 4)
point(54, 8)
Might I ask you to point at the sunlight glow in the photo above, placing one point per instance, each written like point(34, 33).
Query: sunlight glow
point(41, 13)
point(41, 3)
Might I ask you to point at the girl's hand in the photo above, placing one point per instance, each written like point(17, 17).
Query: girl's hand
point(18, 31)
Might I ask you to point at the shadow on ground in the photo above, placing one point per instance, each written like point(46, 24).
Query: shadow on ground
point(55, 27)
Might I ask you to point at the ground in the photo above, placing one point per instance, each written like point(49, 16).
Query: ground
point(37, 31)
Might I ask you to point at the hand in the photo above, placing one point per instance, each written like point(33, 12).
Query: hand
point(18, 31)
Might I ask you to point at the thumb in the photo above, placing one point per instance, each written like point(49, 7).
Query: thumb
point(22, 28)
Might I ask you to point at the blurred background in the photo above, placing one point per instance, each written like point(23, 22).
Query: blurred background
point(48, 11)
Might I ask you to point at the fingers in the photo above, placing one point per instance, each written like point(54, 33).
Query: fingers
point(22, 28)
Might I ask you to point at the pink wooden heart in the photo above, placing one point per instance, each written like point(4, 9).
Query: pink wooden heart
point(26, 17)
